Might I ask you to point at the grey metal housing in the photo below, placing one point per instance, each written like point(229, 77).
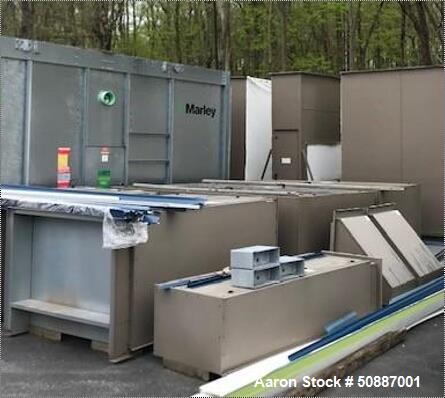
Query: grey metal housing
point(170, 122)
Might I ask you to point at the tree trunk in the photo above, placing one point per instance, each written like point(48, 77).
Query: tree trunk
point(269, 35)
point(27, 22)
point(402, 38)
point(215, 34)
point(351, 36)
point(416, 13)
point(224, 12)
point(284, 7)
point(178, 32)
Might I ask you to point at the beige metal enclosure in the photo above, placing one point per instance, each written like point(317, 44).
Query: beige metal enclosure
point(304, 213)
point(405, 196)
point(222, 327)
point(392, 127)
point(305, 110)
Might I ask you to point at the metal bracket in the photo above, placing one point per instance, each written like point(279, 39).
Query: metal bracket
point(26, 45)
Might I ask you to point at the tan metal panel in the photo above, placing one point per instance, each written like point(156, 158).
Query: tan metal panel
point(238, 132)
point(423, 141)
point(321, 92)
point(392, 130)
point(286, 102)
point(320, 127)
point(411, 248)
point(320, 98)
point(203, 327)
point(370, 127)
point(286, 155)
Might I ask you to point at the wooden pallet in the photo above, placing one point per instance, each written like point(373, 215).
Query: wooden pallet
point(53, 335)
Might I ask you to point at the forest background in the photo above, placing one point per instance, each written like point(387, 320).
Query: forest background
point(246, 37)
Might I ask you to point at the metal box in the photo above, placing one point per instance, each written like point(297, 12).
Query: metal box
point(216, 328)
point(254, 257)
point(406, 196)
point(305, 110)
point(255, 278)
point(291, 266)
point(58, 276)
point(168, 120)
point(304, 213)
point(392, 131)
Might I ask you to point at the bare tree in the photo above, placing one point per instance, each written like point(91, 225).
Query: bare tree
point(284, 8)
point(224, 16)
point(416, 12)
point(27, 22)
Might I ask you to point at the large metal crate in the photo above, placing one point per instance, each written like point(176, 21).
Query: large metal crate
point(170, 122)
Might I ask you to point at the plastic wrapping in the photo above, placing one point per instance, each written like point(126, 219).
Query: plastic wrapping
point(122, 226)
point(64, 208)
point(120, 234)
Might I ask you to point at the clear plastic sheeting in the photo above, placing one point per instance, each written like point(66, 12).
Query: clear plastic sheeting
point(51, 207)
point(122, 226)
point(120, 234)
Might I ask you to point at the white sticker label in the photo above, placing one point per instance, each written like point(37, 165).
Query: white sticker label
point(104, 158)
point(286, 160)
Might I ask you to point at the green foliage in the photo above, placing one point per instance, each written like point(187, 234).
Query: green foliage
point(259, 38)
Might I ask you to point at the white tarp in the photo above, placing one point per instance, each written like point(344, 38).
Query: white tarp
point(258, 128)
point(324, 162)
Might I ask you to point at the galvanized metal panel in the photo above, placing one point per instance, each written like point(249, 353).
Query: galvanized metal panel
point(197, 138)
point(17, 270)
point(99, 125)
point(148, 147)
point(13, 73)
point(63, 275)
point(149, 132)
point(66, 55)
point(147, 171)
point(93, 163)
point(148, 105)
point(55, 121)
point(105, 123)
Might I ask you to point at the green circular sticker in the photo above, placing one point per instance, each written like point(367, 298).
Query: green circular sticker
point(106, 97)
